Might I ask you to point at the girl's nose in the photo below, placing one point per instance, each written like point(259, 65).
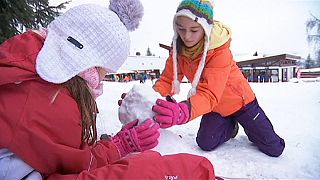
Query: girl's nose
point(187, 35)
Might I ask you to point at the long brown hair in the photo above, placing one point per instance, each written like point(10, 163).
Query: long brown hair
point(88, 108)
point(179, 45)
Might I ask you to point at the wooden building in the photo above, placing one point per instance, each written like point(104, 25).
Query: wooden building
point(308, 73)
point(277, 68)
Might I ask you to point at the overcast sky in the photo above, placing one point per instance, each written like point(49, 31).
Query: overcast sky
point(266, 26)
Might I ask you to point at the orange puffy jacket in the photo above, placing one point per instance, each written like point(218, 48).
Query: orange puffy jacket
point(222, 87)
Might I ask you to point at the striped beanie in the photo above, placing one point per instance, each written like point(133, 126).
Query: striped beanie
point(202, 12)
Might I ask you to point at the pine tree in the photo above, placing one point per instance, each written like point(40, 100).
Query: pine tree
point(18, 15)
point(313, 37)
point(309, 63)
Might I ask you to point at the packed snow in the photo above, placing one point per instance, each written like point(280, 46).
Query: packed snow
point(293, 108)
point(136, 104)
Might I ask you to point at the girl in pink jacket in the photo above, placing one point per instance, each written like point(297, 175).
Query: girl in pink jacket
point(48, 84)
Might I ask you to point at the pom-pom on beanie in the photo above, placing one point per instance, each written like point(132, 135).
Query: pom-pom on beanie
point(202, 12)
point(88, 36)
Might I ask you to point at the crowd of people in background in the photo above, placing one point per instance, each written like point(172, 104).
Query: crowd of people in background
point(141, 77)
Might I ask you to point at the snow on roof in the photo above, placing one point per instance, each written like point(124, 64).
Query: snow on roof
point(134, 63)
point(123, 71)
point(241, 58)
point(310, 70)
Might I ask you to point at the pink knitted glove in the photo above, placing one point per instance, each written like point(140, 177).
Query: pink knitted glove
point(171, 113)
point(137, 138)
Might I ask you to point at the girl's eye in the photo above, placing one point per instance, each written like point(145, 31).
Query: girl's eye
point(194, 31)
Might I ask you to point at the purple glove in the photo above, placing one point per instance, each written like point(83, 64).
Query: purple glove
point(171, 113)
point(137, 138)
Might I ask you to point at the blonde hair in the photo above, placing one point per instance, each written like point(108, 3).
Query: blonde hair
point(88, 108)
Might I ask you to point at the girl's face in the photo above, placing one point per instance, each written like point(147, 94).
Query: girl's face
point(189, 31)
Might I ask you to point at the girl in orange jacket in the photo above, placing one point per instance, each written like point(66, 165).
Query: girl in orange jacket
point(219, 92)
point(48, 84)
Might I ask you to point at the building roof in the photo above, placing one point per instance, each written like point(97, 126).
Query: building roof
point(276, 60)
point(134, 63)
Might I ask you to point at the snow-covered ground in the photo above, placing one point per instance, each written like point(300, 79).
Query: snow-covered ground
point(293, 108)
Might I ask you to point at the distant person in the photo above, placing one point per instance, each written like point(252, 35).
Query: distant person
point(145, 77)
point(152, 78)
point(141, 79)
point(219, 93)
point(126, 78)
point(116, 78)
point(48, 84)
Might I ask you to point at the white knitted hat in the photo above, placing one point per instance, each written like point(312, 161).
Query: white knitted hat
point(88, 36)
point(202, 12)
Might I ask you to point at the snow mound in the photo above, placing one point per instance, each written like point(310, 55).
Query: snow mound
point(138, 105)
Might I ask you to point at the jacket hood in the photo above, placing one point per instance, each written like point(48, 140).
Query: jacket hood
point(220, 35)
point(18, 56)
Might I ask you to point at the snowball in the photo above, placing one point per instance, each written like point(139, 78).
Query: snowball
point(138, 104)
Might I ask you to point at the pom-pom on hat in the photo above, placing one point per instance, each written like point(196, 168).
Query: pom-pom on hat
point(88, 36)
point(202, 12)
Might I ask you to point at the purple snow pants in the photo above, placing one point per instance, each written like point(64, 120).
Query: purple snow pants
point(215, 130)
